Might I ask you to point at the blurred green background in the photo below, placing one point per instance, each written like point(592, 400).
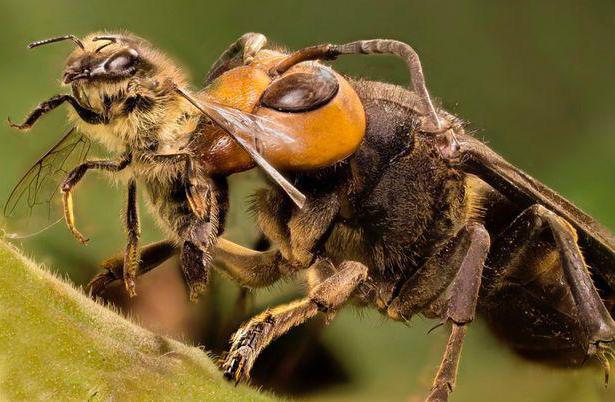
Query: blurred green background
point(535, 79)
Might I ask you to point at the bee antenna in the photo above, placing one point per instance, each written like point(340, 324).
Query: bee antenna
point(57, 39)
point(111, 40)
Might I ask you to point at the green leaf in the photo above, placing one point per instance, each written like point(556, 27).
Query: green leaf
point(57, 344)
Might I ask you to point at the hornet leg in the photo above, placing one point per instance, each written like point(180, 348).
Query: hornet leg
point(254, 336)
point(454, 273)
point(374, 46)
point(596, 326)
point(299, 234)
point(246, 47)
point(460, 311)
point(250, 268)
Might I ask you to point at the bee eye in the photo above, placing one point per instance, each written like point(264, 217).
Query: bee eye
point(122, 63)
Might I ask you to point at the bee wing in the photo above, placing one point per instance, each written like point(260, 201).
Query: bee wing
point(246, 129)
point(597, 242)
point(34, 203)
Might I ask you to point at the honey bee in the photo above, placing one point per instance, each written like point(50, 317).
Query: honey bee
point(132, 98)
point(385, 201)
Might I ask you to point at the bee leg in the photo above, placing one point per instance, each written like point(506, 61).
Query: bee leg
point(87, 115)
point(253, 337)
point(150, 256)
point(71, 180)
point(374, 46)
point(197, 194)
point(195, 267)
point(131, 255)
point(199, 222)
point(202, 234)
point(69, 217)
point(246, 46)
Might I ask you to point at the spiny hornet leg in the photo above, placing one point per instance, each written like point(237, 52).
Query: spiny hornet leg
point(71, 180)
point(310, 227)
point(246, 46)
point(150, 256)
point(430, 282)
point(457, 266)
point(272, 219)
point(513, 245)
point(250, 268)
point(597, 320)
point(131, 256)
point(252, 43)
point(460, 311)
point(50, 104)
point(253, 337)
point(375, 46)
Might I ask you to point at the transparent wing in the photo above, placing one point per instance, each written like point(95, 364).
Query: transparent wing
point(246, 125)
point(34, 204)
point(248, 129)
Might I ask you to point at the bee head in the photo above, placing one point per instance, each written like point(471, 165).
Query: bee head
point(102, 58)
point(108, 59)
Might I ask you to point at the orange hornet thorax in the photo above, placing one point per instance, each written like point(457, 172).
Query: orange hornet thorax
point(320, 116)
